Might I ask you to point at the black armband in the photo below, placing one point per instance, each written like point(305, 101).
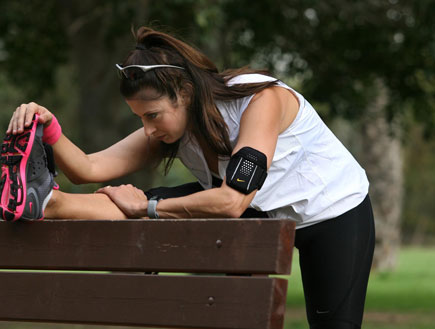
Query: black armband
point(247, 170)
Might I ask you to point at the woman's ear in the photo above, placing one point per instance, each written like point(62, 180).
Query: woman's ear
point(186, 94)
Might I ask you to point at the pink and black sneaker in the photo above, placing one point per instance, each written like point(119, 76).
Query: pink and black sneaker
point(26, 183)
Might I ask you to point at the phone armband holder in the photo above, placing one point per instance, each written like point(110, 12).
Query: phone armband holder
point(247, 170)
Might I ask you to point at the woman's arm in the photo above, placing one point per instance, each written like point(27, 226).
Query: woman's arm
point(124, 157)
point(269, 113)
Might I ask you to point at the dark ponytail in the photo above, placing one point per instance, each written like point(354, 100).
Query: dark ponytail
point(200, 79)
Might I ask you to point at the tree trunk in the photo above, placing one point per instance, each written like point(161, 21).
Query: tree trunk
point(96, 46)
point(383, 161)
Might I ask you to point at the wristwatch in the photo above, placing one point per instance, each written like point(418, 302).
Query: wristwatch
point(152, 207)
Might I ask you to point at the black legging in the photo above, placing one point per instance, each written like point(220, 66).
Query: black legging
point(335, 257)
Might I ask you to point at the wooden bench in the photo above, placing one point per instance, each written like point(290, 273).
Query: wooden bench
point(103, 272)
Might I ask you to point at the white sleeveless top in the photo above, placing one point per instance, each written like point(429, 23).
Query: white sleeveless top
point(312, 178)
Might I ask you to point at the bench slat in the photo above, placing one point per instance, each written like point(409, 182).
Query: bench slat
point(148, 300)
point(261, 246)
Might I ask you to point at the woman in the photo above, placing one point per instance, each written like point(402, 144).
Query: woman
point(253, 143)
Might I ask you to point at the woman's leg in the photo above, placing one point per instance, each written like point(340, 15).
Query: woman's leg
point(335, 260)
point(82, 206)
point(99, 206)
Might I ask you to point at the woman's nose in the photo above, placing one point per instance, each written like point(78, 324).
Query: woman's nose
point(149, 129)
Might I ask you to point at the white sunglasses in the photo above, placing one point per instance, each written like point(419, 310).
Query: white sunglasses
point(143, 68)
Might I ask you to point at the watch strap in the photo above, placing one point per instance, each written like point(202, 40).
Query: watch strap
point(152, 207)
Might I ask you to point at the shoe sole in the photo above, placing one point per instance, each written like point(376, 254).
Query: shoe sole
point(15, 154)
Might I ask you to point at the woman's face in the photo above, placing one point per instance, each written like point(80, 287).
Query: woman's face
point(162, 118)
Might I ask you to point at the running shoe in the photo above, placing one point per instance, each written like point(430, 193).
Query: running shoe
point(26, 183)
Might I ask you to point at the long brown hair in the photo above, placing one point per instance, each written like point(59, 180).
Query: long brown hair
point(200, 79)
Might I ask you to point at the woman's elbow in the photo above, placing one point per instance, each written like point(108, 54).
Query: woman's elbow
point(235, 212)
point(79, 178)
point(233, 206)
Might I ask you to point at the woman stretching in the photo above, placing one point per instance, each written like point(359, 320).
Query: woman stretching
point(256, 146)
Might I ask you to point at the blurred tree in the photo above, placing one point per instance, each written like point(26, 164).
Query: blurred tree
point(31, 49)
point(418, 215)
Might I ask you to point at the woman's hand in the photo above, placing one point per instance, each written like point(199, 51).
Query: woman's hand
point(131, 200)
point(23, 116)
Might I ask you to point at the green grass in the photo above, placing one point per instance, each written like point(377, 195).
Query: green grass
point(411, 287)
point(300, 325)
point(403, 299)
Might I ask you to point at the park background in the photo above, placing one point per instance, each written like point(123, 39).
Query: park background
point(368, 67)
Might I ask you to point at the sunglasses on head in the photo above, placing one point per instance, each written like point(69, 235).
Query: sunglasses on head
point(134, 72)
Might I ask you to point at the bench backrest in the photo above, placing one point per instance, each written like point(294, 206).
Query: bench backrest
point(58, 286)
